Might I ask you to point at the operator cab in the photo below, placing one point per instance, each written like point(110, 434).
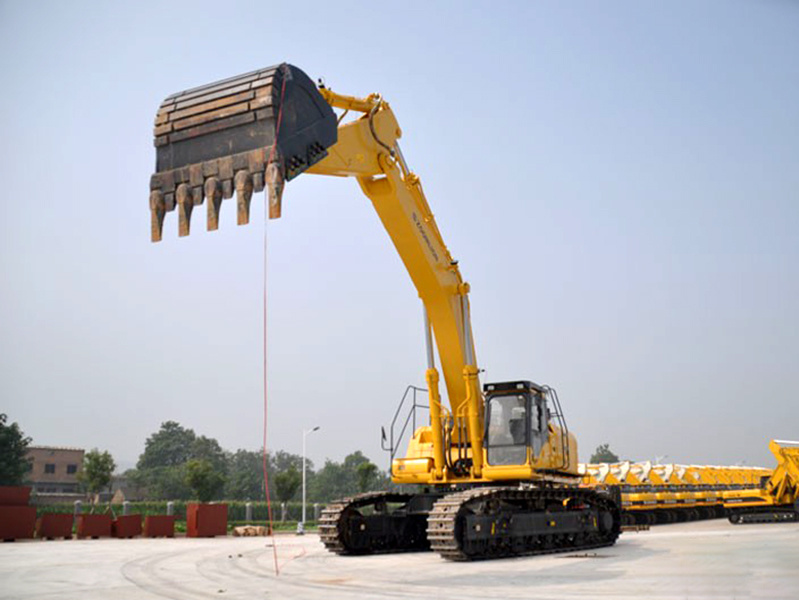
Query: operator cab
point(516, 419)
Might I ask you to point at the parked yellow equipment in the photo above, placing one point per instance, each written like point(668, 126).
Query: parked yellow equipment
point(499, 463)
point(777, 499)
point(654, 494)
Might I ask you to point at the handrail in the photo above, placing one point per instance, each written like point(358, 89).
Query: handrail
point(558, 414)
point(411, 415)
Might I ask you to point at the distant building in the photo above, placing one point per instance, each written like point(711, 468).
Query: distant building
point(54, 471)
point(122, 488)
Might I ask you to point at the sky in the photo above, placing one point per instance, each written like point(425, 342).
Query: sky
point(618, 180)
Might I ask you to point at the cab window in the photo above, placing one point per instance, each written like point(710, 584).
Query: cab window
point(508, 429)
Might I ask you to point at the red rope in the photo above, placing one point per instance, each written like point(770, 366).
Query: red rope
point(270, 529)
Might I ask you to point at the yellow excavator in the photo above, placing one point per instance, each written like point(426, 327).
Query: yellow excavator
point(495, 466)
point(777, 499)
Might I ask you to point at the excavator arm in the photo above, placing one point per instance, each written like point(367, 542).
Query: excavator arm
point(260, 130)
point(264, 128)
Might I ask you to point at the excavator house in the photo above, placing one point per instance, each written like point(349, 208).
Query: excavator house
point(494, 466)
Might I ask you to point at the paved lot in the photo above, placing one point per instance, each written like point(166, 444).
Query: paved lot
point(693, 560)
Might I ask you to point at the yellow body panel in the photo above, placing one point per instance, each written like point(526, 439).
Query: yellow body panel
point(747, 498)
point(638, 501)
point(420, 452)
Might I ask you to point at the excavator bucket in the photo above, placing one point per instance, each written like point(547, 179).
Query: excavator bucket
point(245, 133)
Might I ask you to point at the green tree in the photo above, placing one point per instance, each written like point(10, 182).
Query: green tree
point(170, 446)
point(366, 474)
point(282, 461)
point(245, 479)
point(337, 480)
point(97, 469)
point(245, 474)
point(329, 483)
point(13, 448)
point(287, 483)
point(352, 460)
point(603, 454)
point(205, 448)
point(206, 481)
point(135, 484)
point(165, 483)
point(162, 467)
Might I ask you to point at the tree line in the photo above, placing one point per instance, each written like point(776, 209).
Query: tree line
point(178, 464)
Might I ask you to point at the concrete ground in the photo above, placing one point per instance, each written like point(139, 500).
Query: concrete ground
point(710, 559)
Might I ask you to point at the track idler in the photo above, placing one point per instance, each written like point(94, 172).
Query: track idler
point(239, 135)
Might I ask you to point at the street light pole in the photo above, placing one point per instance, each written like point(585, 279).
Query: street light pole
point(301, 524)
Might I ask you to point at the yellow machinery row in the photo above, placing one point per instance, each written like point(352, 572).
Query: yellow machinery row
point(655, 493)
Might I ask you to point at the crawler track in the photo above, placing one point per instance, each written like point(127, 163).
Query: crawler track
point(484, 523)
point(762, 515)
point(367, 524)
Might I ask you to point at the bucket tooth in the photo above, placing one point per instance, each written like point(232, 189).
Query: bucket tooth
point(157, 212)
point(244, 187)
point(185, 200)
point(274, 185)
point(213, 191)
